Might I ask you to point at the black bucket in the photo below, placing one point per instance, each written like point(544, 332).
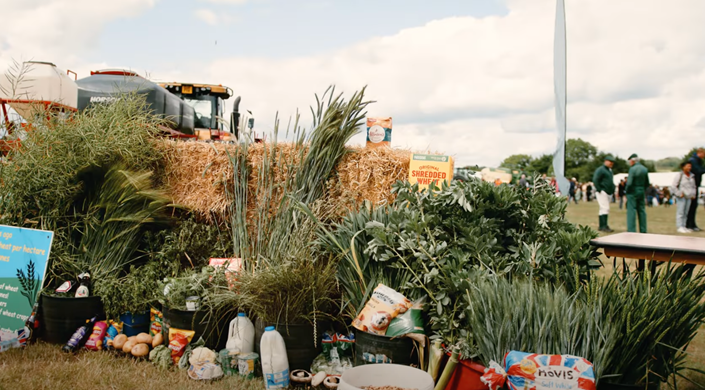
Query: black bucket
point(299, 341)
point(61, 316)
point(373, 349)
point(215, 334)
point(134, 324)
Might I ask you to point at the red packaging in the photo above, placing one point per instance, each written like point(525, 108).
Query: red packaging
point(95, 341)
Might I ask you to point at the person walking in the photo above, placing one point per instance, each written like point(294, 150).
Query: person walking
point(697, 170)
point(666, 197)
point(620, 192)
point(571, 191)
point(522, 182)
point(637, 183)
point(603, 179)
point(684, 191)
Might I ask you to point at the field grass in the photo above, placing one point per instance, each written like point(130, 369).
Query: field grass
point(43, 366)
point(660, 220)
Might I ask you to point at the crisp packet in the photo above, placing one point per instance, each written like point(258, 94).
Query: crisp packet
point(531, 371)
point(384, 305)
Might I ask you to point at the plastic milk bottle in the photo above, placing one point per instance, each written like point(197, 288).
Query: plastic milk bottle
point(275, 365)
point(241, 336)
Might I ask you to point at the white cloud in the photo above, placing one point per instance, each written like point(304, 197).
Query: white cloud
point(478, 88)
point(235, 2)
point(207, 16)
point(59, 31)
point(482, 88)
point(212, 18)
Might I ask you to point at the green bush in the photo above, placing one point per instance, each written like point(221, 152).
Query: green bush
point(428, 243)
point(39, 184)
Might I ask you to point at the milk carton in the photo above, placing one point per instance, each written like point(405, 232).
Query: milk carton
point(241, 335)
point(275, 365)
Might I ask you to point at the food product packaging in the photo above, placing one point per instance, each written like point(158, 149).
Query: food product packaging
point(178, 341)
point(379, 132)
point(156, 321)
point(114, 329)
point(95, 340)
point(531, 371)
point(336, 356)
point(384, 305)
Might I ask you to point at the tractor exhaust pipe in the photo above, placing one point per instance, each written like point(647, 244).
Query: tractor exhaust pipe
point(235, 118)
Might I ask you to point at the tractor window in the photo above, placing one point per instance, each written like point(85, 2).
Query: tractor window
point(204, 107)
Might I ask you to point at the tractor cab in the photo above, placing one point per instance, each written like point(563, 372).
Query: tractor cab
point(208, 101)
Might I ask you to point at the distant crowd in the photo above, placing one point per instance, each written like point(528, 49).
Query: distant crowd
point(635, 192)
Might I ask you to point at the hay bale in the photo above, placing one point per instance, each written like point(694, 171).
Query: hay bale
point(196, 175)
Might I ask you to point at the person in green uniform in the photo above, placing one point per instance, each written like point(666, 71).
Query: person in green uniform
point(603, 179)
point(637, 182)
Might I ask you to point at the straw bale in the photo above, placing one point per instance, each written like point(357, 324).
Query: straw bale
point(196, 175)
point(367, 174)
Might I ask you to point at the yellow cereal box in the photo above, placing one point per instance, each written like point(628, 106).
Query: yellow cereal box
point(425, 169)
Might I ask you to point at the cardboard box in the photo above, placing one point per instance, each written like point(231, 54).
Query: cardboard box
point(425, 169)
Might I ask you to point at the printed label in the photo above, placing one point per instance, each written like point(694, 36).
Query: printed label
point(279, 380)
point(377, 134)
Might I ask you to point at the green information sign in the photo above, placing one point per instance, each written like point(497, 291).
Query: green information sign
point(23, 261)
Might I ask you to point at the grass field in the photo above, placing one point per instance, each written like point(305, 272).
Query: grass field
point(43, 366)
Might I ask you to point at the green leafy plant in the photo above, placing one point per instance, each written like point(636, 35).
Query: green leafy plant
point(138, 290)
point(530, 316)
point(283, 277)
point(429, 243)
point(656, 316)
point(38, 184)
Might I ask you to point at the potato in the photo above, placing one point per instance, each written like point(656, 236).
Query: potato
point(119, 341)
point(144, 338)
point(132, 338)
point(127, 348)
point(140, 350)
point(157, 340)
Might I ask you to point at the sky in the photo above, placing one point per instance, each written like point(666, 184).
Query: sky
point(470, 78)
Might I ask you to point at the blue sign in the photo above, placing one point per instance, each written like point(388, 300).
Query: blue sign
point(23, 262)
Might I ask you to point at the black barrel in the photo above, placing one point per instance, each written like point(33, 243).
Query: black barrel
point(214, 333)
point(61, 316)
point(299, 341)
point(373, 349)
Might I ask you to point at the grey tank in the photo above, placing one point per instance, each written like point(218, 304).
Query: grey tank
point(105, 88)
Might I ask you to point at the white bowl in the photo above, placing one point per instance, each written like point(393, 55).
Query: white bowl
point(385, 375)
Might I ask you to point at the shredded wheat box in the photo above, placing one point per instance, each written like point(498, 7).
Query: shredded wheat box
point(425, 169)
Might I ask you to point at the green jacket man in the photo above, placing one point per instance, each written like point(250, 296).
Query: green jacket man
point(603, 179)
point(637, 182)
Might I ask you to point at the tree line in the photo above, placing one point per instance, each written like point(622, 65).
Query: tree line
point(581, 160)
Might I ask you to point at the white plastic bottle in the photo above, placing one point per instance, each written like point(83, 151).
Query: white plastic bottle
point(241, 336)
point(275, 365)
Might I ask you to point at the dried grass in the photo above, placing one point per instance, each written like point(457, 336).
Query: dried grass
point(195, 174)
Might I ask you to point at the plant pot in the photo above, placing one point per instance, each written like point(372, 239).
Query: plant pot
point(134, 324)
point(299, 341)
point(372, 349)
point(467, 376)
point(215, 334)
point(61, 316)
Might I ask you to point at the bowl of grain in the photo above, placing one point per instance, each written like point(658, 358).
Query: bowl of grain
point(385, 377)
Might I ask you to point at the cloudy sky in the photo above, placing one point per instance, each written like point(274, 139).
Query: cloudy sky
point(472, 78)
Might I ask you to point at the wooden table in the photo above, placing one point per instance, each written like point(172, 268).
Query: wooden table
point(658, 247)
